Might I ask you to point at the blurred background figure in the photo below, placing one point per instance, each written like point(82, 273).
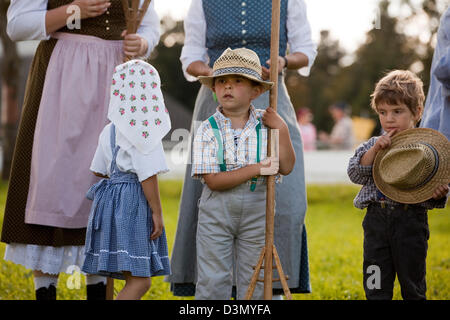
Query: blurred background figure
point(341, 137)
point(307, 129)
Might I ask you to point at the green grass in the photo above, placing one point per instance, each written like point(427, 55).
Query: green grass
point(335, 241)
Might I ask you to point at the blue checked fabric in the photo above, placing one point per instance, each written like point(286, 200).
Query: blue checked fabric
point(242, 23)
point(369, 192)
point(119, 228)
point(204, 156)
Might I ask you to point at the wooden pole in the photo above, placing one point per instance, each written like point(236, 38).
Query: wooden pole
point(269, 252)
point(270, 198)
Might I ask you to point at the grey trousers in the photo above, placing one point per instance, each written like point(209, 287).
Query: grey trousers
point(230, 222)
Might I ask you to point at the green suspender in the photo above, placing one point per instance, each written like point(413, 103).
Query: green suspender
point(258, 150)
point(223, 166)
point(220, 157)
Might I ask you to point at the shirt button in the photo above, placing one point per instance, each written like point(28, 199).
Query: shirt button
point(244, 31)
point(107, 21)
point(243, 22)
point(243, 12)
point(107, 12)
point(107, 28)
point(244, 4)
point(244, 42)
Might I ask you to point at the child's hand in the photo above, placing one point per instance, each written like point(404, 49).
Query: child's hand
point(134, 45)
point(440, 192)
point(158, 225)
point(273, 120)
point(384, 141)
point(269, 166)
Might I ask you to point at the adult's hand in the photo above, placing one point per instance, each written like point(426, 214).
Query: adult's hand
point(296, 60)
point(134, 45)
point(92, 8)
point(266, 71)
point(199, 68)
point(57, 18)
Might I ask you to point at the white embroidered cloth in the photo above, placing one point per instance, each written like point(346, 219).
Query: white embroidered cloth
point(137, 106)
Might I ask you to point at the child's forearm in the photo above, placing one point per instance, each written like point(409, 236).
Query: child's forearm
point(230, 179)
point(287, 153)
point(368, 158)
point(151, 192)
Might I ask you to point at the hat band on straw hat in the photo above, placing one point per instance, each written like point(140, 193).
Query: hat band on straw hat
point(417, 162)
point(239, 70)
point(436, 164)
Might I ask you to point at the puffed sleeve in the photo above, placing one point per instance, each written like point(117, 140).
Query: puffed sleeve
point(299, 33)
point(26, 20)
point(102, 158)
point(147, 165)
point(149, 28)
point(194, 48)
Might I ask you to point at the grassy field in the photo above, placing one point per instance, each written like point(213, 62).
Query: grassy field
point(335, 250)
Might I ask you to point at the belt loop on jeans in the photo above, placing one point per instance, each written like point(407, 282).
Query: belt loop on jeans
point(383, 204)
point(405, 207)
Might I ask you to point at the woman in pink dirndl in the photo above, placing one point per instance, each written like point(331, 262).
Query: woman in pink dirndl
point(65, 108)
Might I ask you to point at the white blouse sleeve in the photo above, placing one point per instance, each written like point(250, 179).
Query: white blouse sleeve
point(26, 20)
point(299, 33)
point(103, 155)
point(149, 28)
point(147, 165)
point(194, 48)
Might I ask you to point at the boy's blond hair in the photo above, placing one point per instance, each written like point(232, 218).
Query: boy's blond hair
point(399, 87)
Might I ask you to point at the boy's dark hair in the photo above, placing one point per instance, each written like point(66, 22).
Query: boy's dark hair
point(399, 87)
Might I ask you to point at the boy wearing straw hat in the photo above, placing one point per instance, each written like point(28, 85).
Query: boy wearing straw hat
point(229, 156)
point(404, 173)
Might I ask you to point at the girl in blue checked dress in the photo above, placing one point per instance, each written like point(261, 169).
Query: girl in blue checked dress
point(125, 236)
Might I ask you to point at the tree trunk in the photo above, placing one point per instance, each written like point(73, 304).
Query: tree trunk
point(9, 103)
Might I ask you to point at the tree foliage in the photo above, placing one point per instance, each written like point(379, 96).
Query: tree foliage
point(385, 48)
point(166, 58)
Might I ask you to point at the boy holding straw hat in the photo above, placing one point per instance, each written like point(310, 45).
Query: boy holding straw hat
point(229, 154)
point(404, 173)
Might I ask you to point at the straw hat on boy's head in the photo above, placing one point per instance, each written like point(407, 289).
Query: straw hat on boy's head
point(417, 162)
point(243, 62)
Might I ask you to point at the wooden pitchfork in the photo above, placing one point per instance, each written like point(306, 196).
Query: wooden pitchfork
point(133, 17)
point(269, 252)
